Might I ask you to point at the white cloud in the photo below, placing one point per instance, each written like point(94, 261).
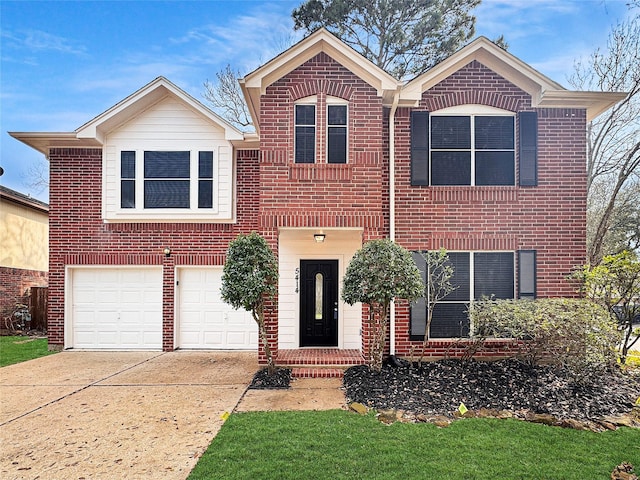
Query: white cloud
point(41, 41)
point(244, 41)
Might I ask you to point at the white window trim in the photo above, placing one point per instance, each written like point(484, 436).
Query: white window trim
point(473, 111)
point(193, 213)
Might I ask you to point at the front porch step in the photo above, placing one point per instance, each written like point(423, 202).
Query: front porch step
point(319, 362)
point(306, 372)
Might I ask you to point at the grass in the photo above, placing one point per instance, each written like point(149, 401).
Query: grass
point(20, 349)
point(342, 445)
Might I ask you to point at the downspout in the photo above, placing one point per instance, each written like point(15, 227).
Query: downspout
point(392, 209)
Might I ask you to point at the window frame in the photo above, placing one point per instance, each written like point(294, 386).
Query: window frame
point(139, 181)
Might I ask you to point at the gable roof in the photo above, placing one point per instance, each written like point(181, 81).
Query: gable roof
point(544, 91)
point(255, 83)
point(92, 133)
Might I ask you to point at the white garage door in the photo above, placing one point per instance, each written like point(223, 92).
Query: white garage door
point(116, 308)
point(205, 321)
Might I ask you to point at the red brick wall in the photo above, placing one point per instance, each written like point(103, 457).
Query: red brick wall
point(274, 192)
point(15, 286)
point(77, 235)
point(549, 218)
point(321, 194)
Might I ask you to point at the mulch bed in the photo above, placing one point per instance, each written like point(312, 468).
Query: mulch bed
point(279, 380)
point(440, 387)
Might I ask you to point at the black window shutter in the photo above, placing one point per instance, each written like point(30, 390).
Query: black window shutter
point(527, 274)
point(419, 148)
point(528, 148)
point(419, 307)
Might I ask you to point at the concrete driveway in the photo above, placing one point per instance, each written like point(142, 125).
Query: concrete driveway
point(94, 415)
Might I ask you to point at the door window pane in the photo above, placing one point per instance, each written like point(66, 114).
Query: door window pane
point(319, 293)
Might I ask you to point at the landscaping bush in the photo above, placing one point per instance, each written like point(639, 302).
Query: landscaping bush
point(576, 334)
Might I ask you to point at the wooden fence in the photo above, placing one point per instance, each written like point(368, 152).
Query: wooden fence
point(38, 308)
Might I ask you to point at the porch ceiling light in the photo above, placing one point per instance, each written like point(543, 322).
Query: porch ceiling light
point(319, 237)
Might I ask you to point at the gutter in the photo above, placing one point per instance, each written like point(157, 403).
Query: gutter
point(392, 209)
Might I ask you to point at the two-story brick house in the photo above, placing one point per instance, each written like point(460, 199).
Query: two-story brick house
point(481, 155)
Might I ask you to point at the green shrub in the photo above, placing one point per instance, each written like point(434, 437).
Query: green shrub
point(573, 333)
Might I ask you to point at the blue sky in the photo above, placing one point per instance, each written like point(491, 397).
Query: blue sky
point(63, 63)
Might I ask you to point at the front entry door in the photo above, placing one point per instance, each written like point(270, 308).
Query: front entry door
point(319, 303)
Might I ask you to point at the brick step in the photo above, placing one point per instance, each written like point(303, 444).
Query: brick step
point(317, 372)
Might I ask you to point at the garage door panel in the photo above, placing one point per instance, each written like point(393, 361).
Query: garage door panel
point(205, 321)
point(117, 308)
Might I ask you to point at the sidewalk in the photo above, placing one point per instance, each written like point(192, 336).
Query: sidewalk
point(304, 394)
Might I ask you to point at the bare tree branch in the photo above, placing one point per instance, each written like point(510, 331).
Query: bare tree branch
point(613, 149)
point(226, 98)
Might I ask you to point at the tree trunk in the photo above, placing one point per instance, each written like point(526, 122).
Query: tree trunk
point(258, 316)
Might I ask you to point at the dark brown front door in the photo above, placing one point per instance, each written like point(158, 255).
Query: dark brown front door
point(319, 303)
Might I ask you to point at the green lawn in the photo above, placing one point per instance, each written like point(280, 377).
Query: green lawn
point(20, 349)
point(344, 445)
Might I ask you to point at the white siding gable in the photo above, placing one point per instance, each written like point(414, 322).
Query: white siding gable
point(169, 125)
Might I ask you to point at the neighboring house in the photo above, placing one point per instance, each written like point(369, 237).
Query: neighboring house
point(24, 248)
point(481, 155)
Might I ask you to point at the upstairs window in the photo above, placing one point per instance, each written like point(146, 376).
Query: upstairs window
point(336, 134)
point(453, 148)
point(166, 180)
point(205, 179)
point(128, 179)
point(305, 133)
point(472, 150)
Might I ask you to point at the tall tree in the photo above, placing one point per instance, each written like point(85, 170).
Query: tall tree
point(613, 156)
point(403, 37)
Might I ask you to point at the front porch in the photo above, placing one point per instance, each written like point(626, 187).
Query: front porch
point(319, 362)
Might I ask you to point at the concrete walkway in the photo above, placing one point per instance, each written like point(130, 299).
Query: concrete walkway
point(151, 415)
